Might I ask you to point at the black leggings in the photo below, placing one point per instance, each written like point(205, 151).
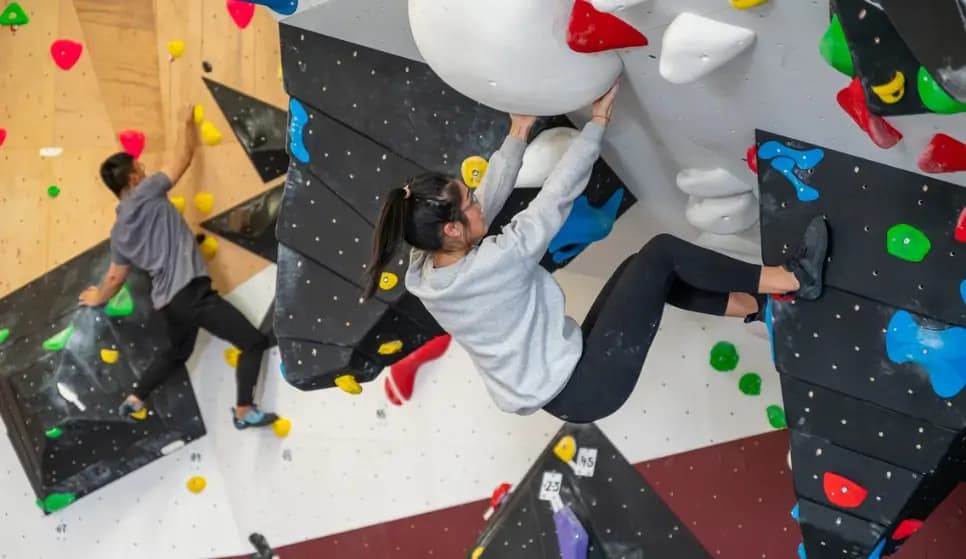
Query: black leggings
point(623, 320)
point(196, 306)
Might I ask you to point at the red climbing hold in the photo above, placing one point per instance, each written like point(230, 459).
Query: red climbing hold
point(751, 157)
point(132, 141)
point(496, 499)
point(944, 154)
point(593, 31)
point(852, 100)
point(402, 375)
point(906, 528)
point(65, 53)
point(3, 136)
point(241, 12)
point(960, 233)
point(843, 492)
point(782, 297)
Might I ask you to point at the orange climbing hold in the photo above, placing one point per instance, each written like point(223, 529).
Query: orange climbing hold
point(401, 379)
point(852, 100)
point(944, 154)
point(593, 31)
point(843, 492)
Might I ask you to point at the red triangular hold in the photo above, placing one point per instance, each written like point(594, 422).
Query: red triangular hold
point(944, 154)
point(132, 141)
point(852, 100)
point(402, 375)
point(906, 528)
point(3, 136)
point(593, 31)
point(843, 492)
point(241, 12)
point(65, 53)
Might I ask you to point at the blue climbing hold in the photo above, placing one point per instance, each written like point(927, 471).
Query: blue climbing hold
point(942, 353)
point(962, 290)
point(281, 369)
point(284, 7)
point(786, 166)
point(795, 512)
point(804, 159)
point(298, 119)
point(877, 552)
point(584, 225)
point(801, 551)
point(770, 324)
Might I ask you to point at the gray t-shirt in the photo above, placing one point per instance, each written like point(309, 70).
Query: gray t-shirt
point(150, 234)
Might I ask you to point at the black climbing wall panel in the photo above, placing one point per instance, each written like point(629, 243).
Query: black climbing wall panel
point(251, 224)
point(95, 445)
point(935, 31)
point(259, 127)
point(863, 200)
point(879, 52)
point(622, 515)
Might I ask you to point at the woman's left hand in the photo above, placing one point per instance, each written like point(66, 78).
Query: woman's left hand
point(520, 125)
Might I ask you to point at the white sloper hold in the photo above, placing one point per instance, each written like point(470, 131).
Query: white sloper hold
point(614, 5)
point(724, 216)
point(694, 46)
point(711, 183)
point(542, 155)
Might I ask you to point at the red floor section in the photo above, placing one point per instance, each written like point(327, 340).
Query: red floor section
point(736, 498)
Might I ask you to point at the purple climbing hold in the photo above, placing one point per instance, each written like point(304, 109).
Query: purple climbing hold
point(571, 536)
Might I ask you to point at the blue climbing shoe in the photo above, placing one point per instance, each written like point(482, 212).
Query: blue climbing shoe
point(254, 418)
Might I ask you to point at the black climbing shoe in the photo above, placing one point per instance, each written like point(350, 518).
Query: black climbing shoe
point(809, 264)
point(759, 315)
point(254, 418)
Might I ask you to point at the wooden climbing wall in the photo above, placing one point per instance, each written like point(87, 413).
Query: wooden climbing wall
point(124, 79)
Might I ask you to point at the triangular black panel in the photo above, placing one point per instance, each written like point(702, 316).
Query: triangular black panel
point(259, 127)
point(251, 224)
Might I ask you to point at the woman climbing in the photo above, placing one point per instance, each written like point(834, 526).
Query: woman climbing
point(508, 312)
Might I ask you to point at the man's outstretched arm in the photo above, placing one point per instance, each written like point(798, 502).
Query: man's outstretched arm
point(177, 163)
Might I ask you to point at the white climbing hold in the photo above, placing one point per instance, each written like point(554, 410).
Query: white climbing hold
point(51, 151)
point(614, 5)
point(694, 46)
point(744, 245)
point(711, 183)
point(542, 155)
point(723, 216)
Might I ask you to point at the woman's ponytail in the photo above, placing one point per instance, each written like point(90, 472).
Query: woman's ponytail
point(388, 234)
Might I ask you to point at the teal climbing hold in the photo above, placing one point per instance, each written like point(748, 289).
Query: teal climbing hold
point(121, 304)
point(795, 513)
point(801, 551)
point(724, 356)
point(5, 332)
point(776, 417)
point(59, 340)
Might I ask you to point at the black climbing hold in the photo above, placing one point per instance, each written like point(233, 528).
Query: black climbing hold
point(206, 66)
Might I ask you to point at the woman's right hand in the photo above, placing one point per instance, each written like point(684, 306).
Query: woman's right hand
point(605, 104)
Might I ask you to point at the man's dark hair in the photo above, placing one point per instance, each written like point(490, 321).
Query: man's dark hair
point(116, 172)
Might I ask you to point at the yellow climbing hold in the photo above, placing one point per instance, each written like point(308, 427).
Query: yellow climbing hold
point(178, 203)
point(566, 448)
point(745, 4)
point(231, 356)
point(109, 356)
point(176, 48)
point(198, 113)
point(279, 70)
point(473, 169)
point(205, 202)
point(197, 484)
point(477, 553)
point(140, 415)
point(209, 134)
point(388, 280)
point(208, 247)
point(389, 348)
point(893, 91)
point(281, 426)
point(348, 383)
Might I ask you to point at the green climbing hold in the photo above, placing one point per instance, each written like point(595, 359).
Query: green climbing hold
point(835, 49)
point(776, 417)
point(13, 14)
point(53, 191)
point(935, 98)
point(59, 340)
point(750, 384)
point(724, 356)
point(121, 304)
point(54, 432)
point(907, 243)
point(56, 501)
point(4, 334)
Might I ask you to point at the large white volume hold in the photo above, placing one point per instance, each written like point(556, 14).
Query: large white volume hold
point(694, 46)
point(511, 55)
point(542, 155)
point(711, 183)
point(723, 216)
point(745, 245)
point(614, 5)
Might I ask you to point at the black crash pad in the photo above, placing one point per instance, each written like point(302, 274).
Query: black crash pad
point(623, 516)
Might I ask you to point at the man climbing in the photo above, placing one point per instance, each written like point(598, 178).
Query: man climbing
point(151, 234)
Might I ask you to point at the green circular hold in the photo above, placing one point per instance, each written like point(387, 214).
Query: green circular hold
point(776, 417)
point(56, 501)
point(724, 356)
point(750, 384)
point(907, 243)
point(934, 97)
point(53, 191)
point(54, 432)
